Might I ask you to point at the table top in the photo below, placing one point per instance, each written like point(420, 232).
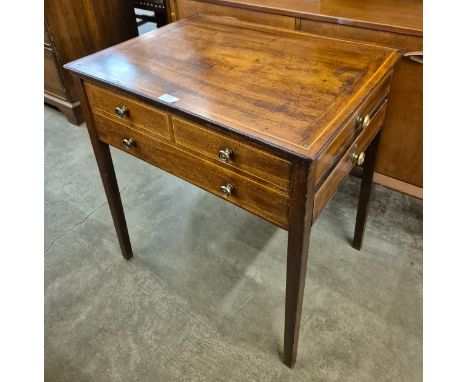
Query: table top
point(401, 16)
point(282, 88)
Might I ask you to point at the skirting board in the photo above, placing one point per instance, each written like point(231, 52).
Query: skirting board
point(398, 185)
point(392, 183)
point(71, 110)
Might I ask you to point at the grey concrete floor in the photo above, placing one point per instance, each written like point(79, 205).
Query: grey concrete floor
point(202, 299)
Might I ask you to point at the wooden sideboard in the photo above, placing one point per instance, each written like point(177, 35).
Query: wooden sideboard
point(393, 23)
point(73, 29)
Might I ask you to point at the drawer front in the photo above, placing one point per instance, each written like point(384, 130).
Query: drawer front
point(240, 155)
point(186, 8)
point(137, 115)
point(350, 32)
point(344, 138)
point(254, 197)
point(53, 83)
point(344, 166)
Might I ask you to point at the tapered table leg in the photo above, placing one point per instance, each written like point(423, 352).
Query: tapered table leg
point(365, 192)
point(300, 219)
point(109, 180)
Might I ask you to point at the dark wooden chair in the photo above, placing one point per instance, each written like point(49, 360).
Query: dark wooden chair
point(159, 8)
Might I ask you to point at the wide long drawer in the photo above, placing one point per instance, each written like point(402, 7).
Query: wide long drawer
point(362, 118)
point(269, 203)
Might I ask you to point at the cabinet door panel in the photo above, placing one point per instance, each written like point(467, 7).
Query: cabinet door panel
point(53, 83)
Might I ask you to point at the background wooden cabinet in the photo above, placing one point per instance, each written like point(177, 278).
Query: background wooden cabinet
point(76, 28)
point(386, 22)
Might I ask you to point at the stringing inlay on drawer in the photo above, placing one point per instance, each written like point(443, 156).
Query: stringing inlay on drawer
point(255, 197)
point(359, 120)
point(232, 153)
point(128, 111)
point(346, 163)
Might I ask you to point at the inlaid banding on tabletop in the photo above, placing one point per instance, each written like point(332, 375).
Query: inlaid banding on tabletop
point(268, 84)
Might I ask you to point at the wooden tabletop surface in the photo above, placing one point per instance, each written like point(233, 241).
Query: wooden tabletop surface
point(286, 89)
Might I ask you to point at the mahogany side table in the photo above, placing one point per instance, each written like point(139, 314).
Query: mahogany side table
point(267, 119)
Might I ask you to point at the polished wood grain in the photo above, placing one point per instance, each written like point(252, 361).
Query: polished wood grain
point(344, 166)
point(395, 23)
point(187, 8)
point(140, 116)
point(400, 16)
point(342, 140)
point(349, 32)
point(53, 83)
point(172, 10)
point(257, 198)
point(190, 137)
point(284, 88)
point(76, 28)
point(401, 145)
point(258, 163)
point(282, 100)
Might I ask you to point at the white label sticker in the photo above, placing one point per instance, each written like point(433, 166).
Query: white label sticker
point(168, 98)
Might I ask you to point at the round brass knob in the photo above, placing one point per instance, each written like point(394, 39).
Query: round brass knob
point(128, 143)
point(363, 121)
point(121, 111)
point(358, 159)
point(225, 155)
point(227, 190)
point(366, 121)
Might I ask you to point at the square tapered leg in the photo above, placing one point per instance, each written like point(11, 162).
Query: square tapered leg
point(109, 180)
point(300, 219)
point(365, 192)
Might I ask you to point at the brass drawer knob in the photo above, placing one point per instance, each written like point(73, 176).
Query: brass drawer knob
point(357, 159)
point(128, 143)
point(225, 155)
point(227, 190)
point(363, 121)
point(121, 111)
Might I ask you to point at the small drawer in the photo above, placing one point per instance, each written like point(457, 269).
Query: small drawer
point(231, 153)
point(344, 166)
point(259, 199)
point(128, 111)
point(356, 122)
